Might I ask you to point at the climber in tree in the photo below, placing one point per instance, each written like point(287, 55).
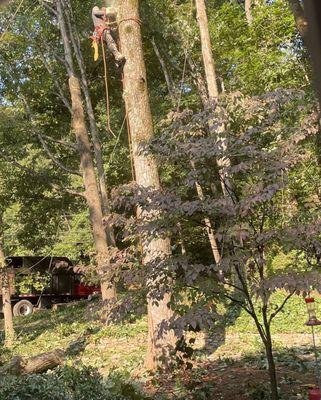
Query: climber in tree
point(104, 20)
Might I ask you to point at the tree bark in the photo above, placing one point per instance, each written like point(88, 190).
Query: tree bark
point(248, 11)
point(299, 18)
point(160, 338)
point(271, 365)
point(74, 36)
point(5, 294)
point(91, 190)
point(209, 65)
point(87, 168)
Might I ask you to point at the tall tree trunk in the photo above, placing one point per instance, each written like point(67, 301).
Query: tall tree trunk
point(299, 18)
point(212, 87)
point(209, 65)
point(5, 294)
point(160, 339)
point(74, 36)
point(87, 167)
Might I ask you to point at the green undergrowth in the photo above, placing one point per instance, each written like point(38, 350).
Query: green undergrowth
point(121, 346)
point(70, 383)
point(291, 320)
point(113, 355)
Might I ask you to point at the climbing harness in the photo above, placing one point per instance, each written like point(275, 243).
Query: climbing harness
point(98, 36)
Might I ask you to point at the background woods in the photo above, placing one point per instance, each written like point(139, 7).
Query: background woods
point(184, 180)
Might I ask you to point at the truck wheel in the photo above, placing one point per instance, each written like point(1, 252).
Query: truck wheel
point(22, 308)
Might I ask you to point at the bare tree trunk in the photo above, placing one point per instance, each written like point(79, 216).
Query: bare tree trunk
point(74, 36)
point(269, 355)
point(248, 11)
point(6, 295)
point(160, 338)
point(212, 87)
point(87, 167)
point(208, 60)
point(91, 190)
point(299, 18)
point(272, 369)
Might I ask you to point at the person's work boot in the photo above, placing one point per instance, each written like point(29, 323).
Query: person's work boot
point(112, 47)
point(120, 60)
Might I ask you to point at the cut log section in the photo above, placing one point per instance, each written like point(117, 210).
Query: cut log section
point(33, 365)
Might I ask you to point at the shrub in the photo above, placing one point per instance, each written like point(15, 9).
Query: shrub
point(68, 383)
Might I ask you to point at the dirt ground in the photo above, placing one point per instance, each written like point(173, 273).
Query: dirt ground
point(237, 382)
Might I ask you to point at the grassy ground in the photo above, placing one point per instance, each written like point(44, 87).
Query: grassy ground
point(228, 362)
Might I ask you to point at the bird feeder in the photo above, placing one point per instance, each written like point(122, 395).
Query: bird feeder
point(314, 394)
point(313, 320)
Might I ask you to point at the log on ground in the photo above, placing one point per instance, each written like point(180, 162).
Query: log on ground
point(33, 365)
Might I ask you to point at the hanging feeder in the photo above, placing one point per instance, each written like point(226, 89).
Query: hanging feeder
point(313, 320)
point(314, 394)
point(314, 391)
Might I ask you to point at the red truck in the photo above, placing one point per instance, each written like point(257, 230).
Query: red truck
point(44, 281)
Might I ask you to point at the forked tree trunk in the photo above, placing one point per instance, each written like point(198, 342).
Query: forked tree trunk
point(5, 294)
point(160, 339)
point(87, 167)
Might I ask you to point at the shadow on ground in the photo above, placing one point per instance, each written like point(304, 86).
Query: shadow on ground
point(242, 379)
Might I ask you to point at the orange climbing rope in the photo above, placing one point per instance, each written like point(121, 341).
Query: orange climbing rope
point(106, 88)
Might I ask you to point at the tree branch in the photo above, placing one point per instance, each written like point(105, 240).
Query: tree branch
point(168, 78)
point(272, 316)
point(54, 159)
point(39, 176)
point(44, 144)
point(70, 145)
